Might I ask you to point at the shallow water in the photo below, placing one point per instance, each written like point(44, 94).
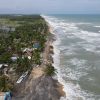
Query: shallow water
point(77, 54)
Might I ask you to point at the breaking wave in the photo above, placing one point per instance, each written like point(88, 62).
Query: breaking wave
point(71, 64)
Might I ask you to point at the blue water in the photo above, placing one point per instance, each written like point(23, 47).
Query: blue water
point(77, 54)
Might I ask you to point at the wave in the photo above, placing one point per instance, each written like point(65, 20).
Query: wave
point(78, 38)
point(97, 26)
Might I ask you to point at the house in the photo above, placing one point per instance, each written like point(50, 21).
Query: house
point(5, 96)
point(2, 66)
point(27, 50)
point(14, 58)
point(36, 45)
point(27, 53)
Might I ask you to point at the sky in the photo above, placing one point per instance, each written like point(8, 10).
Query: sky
point(49, 6)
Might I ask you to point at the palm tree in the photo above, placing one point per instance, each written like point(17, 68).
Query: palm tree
point(36, 57)
point(23, 64)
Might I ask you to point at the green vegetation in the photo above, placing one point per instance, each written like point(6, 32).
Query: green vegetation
point(36, 57)
point(23, 64)
point(5, 57)
point(16, 34)
point(49, 70)
point(5, 85)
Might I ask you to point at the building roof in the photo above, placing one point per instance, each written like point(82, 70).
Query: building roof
point(29, 57)
point(27, 49)
point(1, 65)
point(36, 45)
point(5, 96)
point(14, 58)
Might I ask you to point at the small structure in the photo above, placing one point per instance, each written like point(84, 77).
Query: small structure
point(4, 69)
point(6, 65)
point(2, 95)
point(5, 96)
point(36, 45)
point(2, 66)
point(29, 57)
point(14, 58)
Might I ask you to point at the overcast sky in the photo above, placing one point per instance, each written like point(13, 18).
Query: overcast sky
point(50, 6)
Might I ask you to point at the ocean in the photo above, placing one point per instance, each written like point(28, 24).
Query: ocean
point(77, 54)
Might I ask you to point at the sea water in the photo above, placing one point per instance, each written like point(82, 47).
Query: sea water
point(77, 54)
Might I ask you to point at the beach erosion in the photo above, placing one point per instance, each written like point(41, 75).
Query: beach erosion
point(39, 86)
point(56, 60)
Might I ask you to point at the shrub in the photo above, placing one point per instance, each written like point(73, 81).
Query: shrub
point(49, 70)
point(5, 85)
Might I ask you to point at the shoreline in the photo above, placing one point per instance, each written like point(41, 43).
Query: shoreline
point(61, 86)
point(53, 39)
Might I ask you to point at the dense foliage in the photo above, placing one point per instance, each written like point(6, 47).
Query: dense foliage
point(5, 85)
point(18, 32)
point(49, 70)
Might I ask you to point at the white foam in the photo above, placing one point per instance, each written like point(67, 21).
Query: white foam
point(73, 91)
point(97, 26)
point(80, 68)
point(90, 33)
point(84, 23)
point(56, 57)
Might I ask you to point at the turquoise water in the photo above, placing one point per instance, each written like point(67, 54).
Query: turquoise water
point(77, 54)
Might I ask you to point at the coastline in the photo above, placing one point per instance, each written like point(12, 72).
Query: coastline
point(60, 86)
point(53, 39)
point(39, 86)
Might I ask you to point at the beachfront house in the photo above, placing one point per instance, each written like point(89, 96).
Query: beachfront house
point(5, 96)
point(27, 50)
point(27, 53)
point(29, 57)
point(14, 58)
point(2, 66)
point(36, 45)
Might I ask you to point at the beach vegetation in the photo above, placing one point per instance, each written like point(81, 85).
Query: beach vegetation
point(49, 70)
point(5, 84)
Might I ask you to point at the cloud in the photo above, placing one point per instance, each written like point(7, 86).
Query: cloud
point(49, 6)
